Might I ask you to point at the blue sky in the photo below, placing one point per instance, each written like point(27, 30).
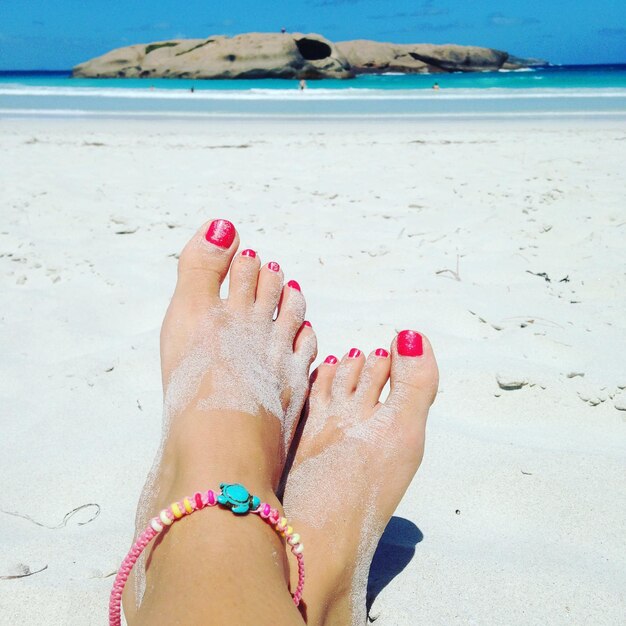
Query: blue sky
point(52, 34)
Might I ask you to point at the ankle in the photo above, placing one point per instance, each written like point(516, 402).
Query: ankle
point(328, 589)
point(332, 608)
point(207, 448)
point(219, 546)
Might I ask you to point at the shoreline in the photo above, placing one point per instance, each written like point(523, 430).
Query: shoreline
point(319, 103)
point(364, 93)
point(444, 108)
point(540, 93)
point(558, 118)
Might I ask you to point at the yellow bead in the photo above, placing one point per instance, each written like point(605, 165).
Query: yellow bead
point(288, 530)
point(282, 523)
point(164, 518)
point(187, 505)
point(176, 510)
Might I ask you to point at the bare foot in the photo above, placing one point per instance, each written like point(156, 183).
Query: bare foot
point(234, 379)
point(354, 462)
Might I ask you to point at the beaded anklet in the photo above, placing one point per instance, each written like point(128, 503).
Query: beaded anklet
point(234, 497)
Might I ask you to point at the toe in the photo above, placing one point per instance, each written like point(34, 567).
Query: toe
point(269, 288)
point(414, 376)
point(322, 379)
point(243, 278)
point(373, 377)
point(291, 310)
point(205, 260)
point(305, 345)
point(348, 372)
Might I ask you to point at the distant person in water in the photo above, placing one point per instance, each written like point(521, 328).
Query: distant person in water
point(436, 86)
point(192, 89)
point(283, 30)
point(303, 85)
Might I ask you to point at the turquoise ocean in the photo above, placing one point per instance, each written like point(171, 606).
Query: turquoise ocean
point(574, 90)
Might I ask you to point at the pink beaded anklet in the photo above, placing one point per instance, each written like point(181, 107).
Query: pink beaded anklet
point(234, 497)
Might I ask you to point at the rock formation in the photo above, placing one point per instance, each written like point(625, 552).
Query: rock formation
point(252, 55)
point(290, 55)
point(517, 63)
point(374, 57)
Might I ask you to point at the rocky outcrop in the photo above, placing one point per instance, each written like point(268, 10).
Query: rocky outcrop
point(374, 57)
point(291, 55)
point(253, 55)
point(518, 63)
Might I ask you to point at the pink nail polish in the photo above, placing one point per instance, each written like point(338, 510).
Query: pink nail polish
point(294, 285)
point(250, 253)
point(381, 352)
point(307, 324)
point(221, 233)
point(272, 266)
point(410, 343)
point(330, 359)
point(354, 353)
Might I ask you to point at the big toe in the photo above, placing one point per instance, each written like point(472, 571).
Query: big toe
point(414, 378)
point(205, 260)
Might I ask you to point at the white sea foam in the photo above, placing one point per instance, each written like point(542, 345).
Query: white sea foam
point(521, 69)
point(14, 89)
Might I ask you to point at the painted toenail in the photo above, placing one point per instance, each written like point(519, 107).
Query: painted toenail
point(294, 285)
point(307, 324)
point(381, 352)
point(354, 353)
point(250, 253)
point(410, 343)
point(221, 233)
point(273, 266)
point(330, 359)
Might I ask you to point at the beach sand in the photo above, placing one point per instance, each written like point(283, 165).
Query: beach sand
point(502, 241)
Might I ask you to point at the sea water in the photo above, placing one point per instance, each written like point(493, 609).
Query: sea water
point(593, 90)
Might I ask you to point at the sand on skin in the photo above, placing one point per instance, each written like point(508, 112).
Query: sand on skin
point(520, 498)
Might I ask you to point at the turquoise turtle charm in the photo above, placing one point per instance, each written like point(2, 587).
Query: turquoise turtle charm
point(237, 498)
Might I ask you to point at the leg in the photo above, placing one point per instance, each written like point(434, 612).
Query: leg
point(355, 459)
point(234, 384)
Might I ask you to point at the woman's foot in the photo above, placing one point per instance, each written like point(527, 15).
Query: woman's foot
point(354, 461)
point(235, 377)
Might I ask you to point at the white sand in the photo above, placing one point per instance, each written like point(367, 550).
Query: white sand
point(364, 216)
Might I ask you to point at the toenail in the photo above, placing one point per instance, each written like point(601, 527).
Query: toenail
point(354, 353)
point(382, 353)
point(410, 343)
point(221, 233)
point(307, 324)
point(273, 266)
point(330, 359)
point(250, 253)
point(294, 285)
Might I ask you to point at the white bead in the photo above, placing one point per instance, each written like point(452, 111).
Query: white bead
point(164, 518)
point(154, 522)
point(294, 539)
point(298, 549)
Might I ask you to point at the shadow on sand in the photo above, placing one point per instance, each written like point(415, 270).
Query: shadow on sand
point(395, 550)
